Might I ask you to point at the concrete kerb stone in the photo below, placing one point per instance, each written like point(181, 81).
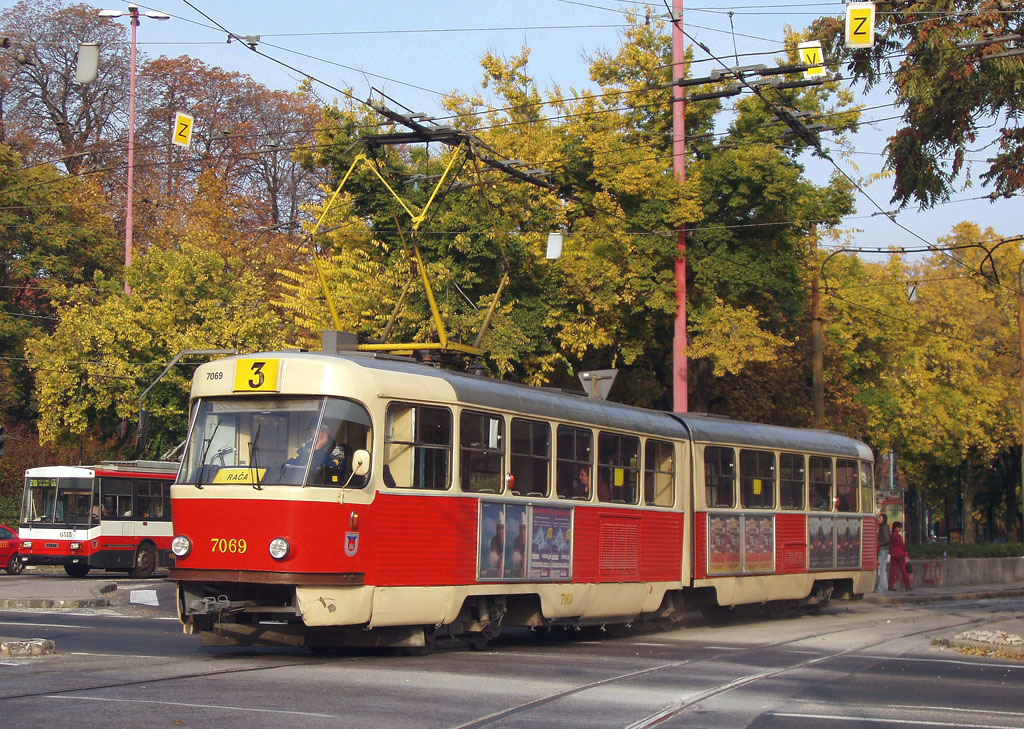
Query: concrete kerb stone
point(903, 598)
point(998, 641)
point(26, 648)
point(36, 603)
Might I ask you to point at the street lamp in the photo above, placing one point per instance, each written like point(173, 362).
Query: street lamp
point(133, 13)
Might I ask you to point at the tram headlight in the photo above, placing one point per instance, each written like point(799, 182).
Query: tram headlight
point(181, 546)
point(26, 545)
point(76, 545)
point(279, 548)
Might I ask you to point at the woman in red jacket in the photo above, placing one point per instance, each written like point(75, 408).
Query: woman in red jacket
point(898, 556)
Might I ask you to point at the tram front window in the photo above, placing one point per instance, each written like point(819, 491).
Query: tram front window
point(57, 501)
point(258, 441)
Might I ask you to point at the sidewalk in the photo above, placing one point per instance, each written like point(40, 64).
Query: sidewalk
point(1002, 638)
point(48, 588)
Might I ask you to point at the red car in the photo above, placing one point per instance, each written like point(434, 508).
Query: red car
point(9, 545)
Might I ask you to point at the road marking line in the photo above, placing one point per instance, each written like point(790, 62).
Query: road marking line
point(48, 625)
point(178, 704)
point(916, 722)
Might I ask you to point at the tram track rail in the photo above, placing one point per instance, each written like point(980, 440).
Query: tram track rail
point(520, 711)
point(672, 710)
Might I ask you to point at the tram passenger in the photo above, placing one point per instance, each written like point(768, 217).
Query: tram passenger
point(581, 488)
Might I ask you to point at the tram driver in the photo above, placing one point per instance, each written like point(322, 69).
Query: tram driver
point(329, 459)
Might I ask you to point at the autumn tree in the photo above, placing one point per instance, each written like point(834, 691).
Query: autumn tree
point(247, 135)
point(110, 345)
point(956, 81)
point(47, 115)
point(933, 378)
point(609, 300)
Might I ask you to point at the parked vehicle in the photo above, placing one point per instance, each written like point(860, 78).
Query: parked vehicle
point(9, 546)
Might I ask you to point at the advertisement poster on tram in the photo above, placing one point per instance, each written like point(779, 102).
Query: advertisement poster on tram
point(518, 542)
point(821, 543)
point(758, 543)
point(848, 549)
point(517, 538)
point(551, 550)
point(491, 564)
point(724, 555)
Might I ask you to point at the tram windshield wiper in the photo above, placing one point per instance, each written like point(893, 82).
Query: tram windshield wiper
point(206, 450)
point(254, 466)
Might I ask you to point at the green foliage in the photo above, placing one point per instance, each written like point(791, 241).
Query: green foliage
point(10, 509)
point(949, 87)
point(110, 345)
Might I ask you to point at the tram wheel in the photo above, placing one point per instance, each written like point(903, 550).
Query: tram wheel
point(145, 562)
point(77, 570)
point(15, 566)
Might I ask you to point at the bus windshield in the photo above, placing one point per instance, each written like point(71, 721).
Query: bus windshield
point(58, 501)
point(276, 440)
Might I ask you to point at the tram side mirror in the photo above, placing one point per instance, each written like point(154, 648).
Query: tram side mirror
point(360, 462)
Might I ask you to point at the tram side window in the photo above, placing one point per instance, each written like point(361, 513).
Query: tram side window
point(618, 468)
point(117, 497)
point(757, 479)
point(530, 457)
point(820, 483)
point(574, 467)
point(153, 499)
point(659, 473)
point(867, 487)
point(846, 485)
point(481, 453)
point(791, 481)
point(719, 476)
point(417, 447)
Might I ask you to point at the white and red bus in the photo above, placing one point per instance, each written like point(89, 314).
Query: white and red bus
point(444, 506)
point(115, 516)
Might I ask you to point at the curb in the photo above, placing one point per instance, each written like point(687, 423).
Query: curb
point(1011, 650)
point(882, 598)
point(23, 648)
point(39, 603)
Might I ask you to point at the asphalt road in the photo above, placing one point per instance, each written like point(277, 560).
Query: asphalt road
point(855, 665)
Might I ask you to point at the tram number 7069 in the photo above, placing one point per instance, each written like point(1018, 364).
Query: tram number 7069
point(226, 546)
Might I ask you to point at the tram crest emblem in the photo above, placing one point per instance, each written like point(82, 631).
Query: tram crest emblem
point(351, 543)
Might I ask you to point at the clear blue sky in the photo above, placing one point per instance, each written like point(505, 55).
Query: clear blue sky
point(414, 51)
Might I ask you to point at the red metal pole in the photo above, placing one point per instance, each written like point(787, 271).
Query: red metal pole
point(133, 12)
point(680, 399)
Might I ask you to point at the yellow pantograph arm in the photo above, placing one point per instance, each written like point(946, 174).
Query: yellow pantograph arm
point(417, 219)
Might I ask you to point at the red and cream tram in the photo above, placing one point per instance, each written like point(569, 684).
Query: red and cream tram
point(353, 498)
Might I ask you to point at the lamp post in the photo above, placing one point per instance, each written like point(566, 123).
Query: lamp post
point(133, 13)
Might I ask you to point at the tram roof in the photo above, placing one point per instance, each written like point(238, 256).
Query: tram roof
point(561, 404)
point(713, 429)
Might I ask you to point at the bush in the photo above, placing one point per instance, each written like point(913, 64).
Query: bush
point(966, 551)
point(10, 506)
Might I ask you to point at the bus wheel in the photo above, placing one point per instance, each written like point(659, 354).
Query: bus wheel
point(145, 562)
point(77, 570)
point(15, 566)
